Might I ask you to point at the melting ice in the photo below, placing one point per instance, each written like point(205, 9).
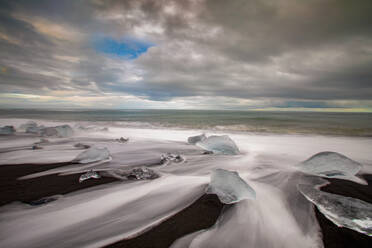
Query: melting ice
point(332, 165)
point(343, 211)
point(229, 187)
point(219, 145)
point(93, 154)
point(90, 174)
point(6, 130)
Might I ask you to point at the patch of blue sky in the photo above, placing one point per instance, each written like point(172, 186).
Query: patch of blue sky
point(126, 47)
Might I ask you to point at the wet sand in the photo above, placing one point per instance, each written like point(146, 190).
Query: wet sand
point(207, 208)
point(200, 215)
point(33, 189)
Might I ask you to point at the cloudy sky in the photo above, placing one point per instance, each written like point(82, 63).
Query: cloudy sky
point(186, 54)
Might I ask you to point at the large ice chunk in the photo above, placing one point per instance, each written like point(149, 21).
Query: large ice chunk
point(7, 130)
point(229, 187)
point(219, 145)
point(93, 154)
point(64, 131)
point(27, 125)
point(195, 139)
point(331, 165)
point(343, 211)
point(90, 174)
point(60, 131)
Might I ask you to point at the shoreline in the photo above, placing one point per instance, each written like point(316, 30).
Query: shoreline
point(227, 128)
point(201, 214)
point(29, 190)
point(333, 236)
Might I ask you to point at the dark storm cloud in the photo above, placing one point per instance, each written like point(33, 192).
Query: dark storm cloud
point(306, 52)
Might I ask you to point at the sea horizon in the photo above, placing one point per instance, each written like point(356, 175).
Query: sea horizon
point(323, 123)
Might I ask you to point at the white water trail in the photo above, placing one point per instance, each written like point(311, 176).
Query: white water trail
point(279, 217)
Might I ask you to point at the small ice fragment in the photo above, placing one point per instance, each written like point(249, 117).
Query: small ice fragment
point(7, 130)
point(342, 211)
point(122, 140)
point(90, 174)
point(44, 200)
point(141, 174)
point(81, 145)
point(331, 165)
point(42, 141)
point(169, 157)
point(195, 139)
point(219, 145)
point(229, 187)
point(93, 154)
point(207, 152)
point(35, 147)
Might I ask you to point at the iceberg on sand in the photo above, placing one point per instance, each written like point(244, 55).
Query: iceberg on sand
point(229, 187)
point(64, 131)
point(219, 145)
point(195, 139)
point(6, 130)
point(93, 154)
point(331, 165)
point(342, 211)
point(29, 124)
point(60, 131)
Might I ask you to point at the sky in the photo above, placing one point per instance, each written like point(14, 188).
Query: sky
point(188, 54)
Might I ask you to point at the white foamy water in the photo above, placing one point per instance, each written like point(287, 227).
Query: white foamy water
point(279, 216)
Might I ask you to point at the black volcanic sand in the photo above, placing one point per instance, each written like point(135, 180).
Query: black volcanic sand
point(33, 189)
point(340, 237)
point(202, 214)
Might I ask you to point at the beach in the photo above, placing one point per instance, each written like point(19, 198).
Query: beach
point(166, 204)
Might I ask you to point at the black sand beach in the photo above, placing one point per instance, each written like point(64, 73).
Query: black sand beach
point(202, 214)
point(33, 189)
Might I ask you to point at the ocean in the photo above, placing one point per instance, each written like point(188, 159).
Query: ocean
point(324, 123)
